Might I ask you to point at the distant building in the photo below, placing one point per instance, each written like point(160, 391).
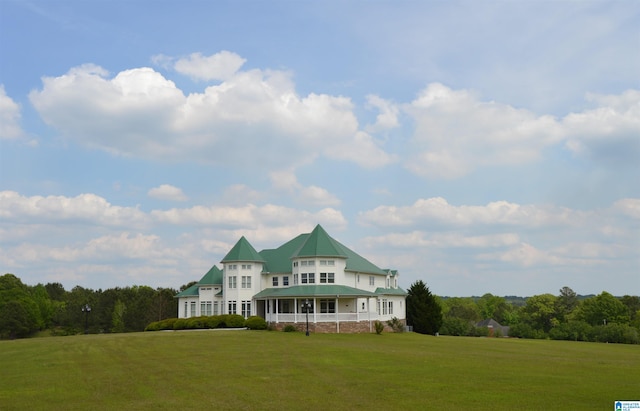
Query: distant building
point(494, 326)
point(345, 291)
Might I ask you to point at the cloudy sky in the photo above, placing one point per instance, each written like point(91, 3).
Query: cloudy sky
point(479, 146)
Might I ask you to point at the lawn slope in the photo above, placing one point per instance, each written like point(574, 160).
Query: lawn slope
point(235, 370)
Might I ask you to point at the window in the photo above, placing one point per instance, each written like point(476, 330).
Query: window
point(372, 280)
point(274, 281)
point(246, 281)
point(303, 263)
point(205, 308)
point(384, 307)
point(295, 263)
point(358, 277)
point(378, 307)
point(304, 278)
point(246, 309)
point(193, 309)
point(387, 282)
point(327, 278)
point(331, 263)
point(285, 281)
point(328, 306)
point(295, 279)
point(363, 307)
point(186, 305)
point(312, 263)
point(312, 278)
point(390, 307)
point(232, 308)
point(215, 308)
point(323, 262)
point(232, 282)
point(233, 266)
point(246, 266)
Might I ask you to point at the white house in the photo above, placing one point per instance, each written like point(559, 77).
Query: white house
point(344, 292)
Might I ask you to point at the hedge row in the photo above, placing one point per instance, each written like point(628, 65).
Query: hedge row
point(208, 322)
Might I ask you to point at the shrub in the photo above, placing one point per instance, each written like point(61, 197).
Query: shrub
point(180, 324)
point(572, 331)
point(212, 321)
point(290, 328)
point(234, 321)
point(379, 327)
point(456, 326)
point(256, 323)
point(396, 325)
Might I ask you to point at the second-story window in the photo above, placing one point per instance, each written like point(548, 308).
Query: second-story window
point(246, 281)
point(274, 281)
point(233, 282)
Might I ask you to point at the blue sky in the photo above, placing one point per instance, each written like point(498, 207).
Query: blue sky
point(488, 146)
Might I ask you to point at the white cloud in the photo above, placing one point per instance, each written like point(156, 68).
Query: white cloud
point(438, 211)
point(245, 217)
point(455, 133)
point(418, 239)
point(219, 66)
point(84, 208)
point(167, 192)
point(286, 181)
point(252, 119)
point(9, 117)
point(629, 206)
point(610, 133)
point(387, 117)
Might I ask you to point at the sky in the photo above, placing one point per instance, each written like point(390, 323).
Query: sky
point(478, 146)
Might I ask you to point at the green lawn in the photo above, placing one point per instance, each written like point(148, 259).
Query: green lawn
point(234, 370)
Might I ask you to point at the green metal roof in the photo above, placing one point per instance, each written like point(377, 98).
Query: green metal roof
point(315, 244)
point(313, 291)
point(189, 292)
point(319, 244)
point(242, 251)
point(278, 260)
point(390, 291)
point(213, 276)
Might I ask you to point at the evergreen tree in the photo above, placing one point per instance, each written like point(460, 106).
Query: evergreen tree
point(423, 311)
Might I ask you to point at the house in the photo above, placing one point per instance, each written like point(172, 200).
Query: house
point(493, 327)
point(344, 292)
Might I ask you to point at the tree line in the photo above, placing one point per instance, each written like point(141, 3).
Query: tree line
point(25, 310)
point(566, 316)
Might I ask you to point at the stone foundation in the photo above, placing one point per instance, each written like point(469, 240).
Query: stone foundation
point(347, 327)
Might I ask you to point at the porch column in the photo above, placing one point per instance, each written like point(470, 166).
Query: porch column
point(277, 311)
point(315, 310)
point(295, 310)
point(337, 315)
point(369, 313)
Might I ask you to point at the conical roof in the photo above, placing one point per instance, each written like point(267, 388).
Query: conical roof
point(242, 251)
point(319, 244)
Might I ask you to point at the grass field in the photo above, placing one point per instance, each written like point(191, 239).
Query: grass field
point(262, 370)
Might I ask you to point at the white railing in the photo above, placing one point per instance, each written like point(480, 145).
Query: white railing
point(322, 318)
